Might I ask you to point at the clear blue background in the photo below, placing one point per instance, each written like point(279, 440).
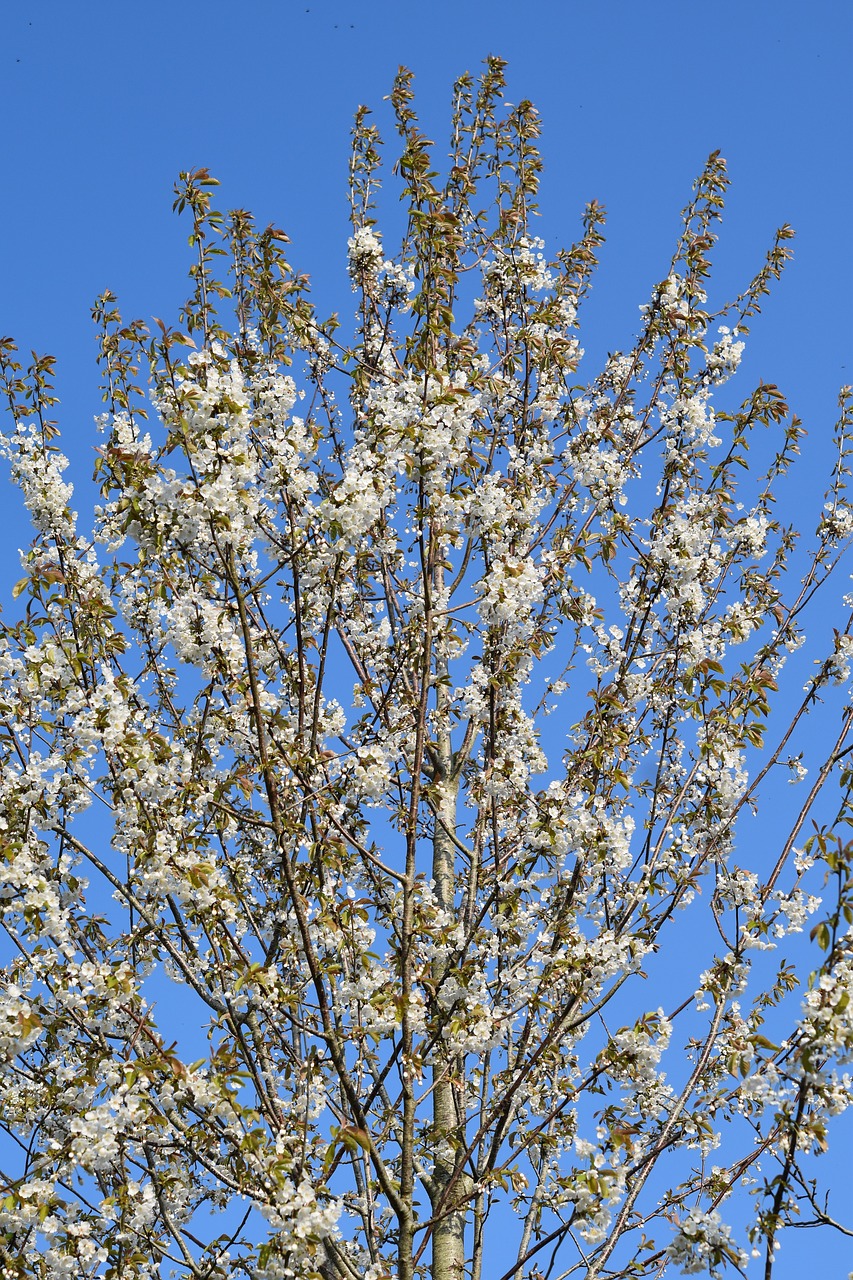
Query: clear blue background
point(103, 104)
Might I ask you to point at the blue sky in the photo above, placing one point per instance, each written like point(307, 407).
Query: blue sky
point(103, 103)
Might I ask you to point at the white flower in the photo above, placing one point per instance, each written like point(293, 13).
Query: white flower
point(703, 1242)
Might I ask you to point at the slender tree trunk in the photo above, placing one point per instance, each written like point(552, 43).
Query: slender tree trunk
point(451, 1188)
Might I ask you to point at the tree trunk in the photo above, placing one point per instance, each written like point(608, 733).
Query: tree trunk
point(450, 1188)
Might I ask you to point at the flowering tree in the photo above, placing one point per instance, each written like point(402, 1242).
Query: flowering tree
point(326, 955)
